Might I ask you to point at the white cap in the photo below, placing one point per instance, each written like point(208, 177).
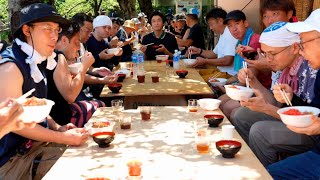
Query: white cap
point(101, 20)
point(310, 24)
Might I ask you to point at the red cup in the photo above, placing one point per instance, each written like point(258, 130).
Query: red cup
point(141, 78)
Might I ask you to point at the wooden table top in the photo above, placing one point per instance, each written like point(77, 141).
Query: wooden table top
point(165, 145)
point(170, 83)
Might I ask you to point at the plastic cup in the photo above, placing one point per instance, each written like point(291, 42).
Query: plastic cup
point(227, 132)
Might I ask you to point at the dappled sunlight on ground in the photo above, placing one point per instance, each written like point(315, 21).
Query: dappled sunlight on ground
point(166, 147)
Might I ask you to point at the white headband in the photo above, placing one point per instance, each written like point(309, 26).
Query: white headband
point(277, 35)
point(101, 20)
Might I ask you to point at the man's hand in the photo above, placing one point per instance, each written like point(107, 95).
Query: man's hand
point(162, 48)
point(110, 79)
point(257, 103)
point(193, 50)
point(114, 42)
point(87, 60)
point(66, 127)
point(260, 64)
point(102, 71)
point(75, 136)
point(241, 48)
point(243, 73)
point(277, 94)
point(104, 55)
point(313, 129)
point(199, 62)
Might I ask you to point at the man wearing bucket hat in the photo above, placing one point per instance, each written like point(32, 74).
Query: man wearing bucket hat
point(129, 29)
point(305, 165)
point(23, 68)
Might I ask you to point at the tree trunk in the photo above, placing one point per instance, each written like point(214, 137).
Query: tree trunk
point(128, 7)
point(96, 6)
point(17, 5)
point(146, 6)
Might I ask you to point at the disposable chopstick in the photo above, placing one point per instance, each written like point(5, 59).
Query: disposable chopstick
point(24, 96)
point(284, 95)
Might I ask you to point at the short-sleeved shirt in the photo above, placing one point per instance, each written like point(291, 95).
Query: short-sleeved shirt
point(167, 39)
point(226, 46)
point(196, 34)
point(95, 47)
point(13, 143)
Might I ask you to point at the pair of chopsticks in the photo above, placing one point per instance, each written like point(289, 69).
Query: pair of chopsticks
point(245, 66)
point(189, 54)
point(284, 95)
point(24, 96)
point(148, 44)
point(216, 75)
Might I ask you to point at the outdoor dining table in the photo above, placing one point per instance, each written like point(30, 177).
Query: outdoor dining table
point(170, 90)
point(165, 145)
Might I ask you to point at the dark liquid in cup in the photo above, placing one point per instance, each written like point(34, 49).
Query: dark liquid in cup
point(155, 79)
point(159, 61)
point(145, 115)
point(125, 126)
point(250, 54)
point(141, 79)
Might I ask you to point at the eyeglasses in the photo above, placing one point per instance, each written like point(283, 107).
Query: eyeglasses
point(48, 29)
point(301, 43)
point(272, 55)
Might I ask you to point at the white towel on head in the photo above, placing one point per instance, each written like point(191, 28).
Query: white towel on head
point(34, 58)
point(277, 35)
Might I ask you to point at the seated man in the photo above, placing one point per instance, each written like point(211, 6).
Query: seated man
point(195, 37)
point(129, 38)
point(95, 77)
point(97, 45)
point(63, 88)
point(223, 54)
point(23, 67)
point(239, 27)
point(164, 43)
point(305, 165)
point(181, 30)
point(257, 121)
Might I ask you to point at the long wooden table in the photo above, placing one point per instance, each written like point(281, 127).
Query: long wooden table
point(171, 90)
point(170, 83)
point(165, 145)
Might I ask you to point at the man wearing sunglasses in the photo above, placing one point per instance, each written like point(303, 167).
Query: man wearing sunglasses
point(305, 165)
point(257, 120)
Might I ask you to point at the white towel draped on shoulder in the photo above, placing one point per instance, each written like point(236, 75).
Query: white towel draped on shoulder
point(34, 58)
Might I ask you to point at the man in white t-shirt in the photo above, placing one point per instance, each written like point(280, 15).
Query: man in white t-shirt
point(222, 55)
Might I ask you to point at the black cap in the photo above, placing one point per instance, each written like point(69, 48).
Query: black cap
point(40, 12)
point(235, 15)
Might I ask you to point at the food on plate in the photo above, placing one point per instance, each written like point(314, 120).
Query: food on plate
point(235, 87)
point(34, 101)
point(100, 124)
point(296, 112)
point(214, 80)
